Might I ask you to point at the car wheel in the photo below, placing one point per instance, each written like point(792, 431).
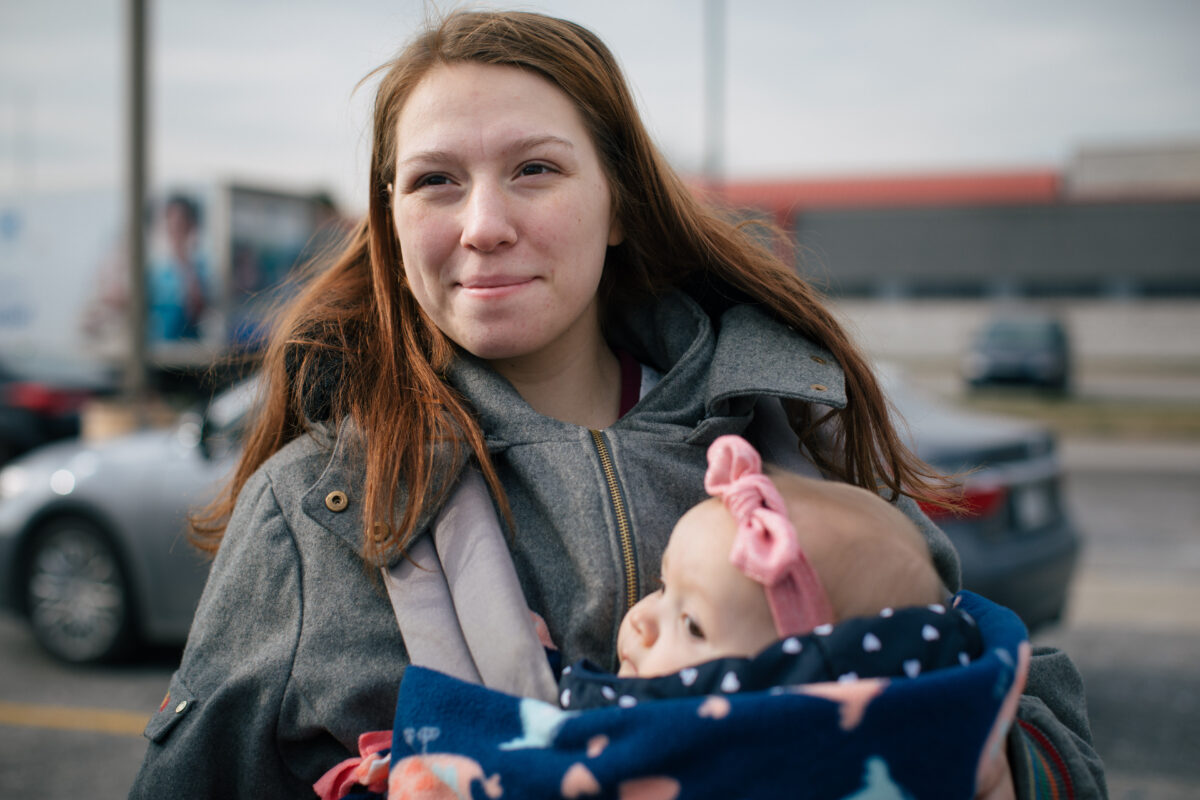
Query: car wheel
point(77, 593)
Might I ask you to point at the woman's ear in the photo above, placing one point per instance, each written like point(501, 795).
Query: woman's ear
point(616, 234)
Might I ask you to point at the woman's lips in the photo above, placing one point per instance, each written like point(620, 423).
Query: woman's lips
point(494, 286)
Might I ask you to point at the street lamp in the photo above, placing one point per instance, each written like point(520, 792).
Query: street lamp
point(135, 203)
point(714, 94)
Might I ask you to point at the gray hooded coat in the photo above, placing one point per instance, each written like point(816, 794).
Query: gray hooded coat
point(295, 650)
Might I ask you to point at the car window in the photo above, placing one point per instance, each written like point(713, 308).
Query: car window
point(1019, 333)
point(229, 415)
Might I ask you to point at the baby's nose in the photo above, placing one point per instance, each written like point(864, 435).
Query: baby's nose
point(645, 625)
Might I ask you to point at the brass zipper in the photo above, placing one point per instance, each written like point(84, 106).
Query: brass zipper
point(624, 531)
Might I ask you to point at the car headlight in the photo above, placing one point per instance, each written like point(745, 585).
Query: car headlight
point(62, 482)
point(14, 480)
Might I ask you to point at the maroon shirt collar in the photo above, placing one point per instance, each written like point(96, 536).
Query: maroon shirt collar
point(631, 382)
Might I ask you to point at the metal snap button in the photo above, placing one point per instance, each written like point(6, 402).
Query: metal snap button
point(336, 500)
point(179, 708)
point(819, 387)
point(817, 359)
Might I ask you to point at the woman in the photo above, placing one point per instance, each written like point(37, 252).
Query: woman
point(535, 292)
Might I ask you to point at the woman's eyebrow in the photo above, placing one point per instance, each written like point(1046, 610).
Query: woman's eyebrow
point(529, 142)
point(516, 146)
point(425, 155)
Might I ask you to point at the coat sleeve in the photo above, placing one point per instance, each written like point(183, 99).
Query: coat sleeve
point(215, 734)
point(1050, 746)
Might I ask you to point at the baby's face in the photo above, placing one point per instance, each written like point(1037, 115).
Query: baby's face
point(705, 609)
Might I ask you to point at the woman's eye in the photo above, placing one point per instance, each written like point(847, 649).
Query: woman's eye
point(693, 628)
point(431, 180)
point(535, 169)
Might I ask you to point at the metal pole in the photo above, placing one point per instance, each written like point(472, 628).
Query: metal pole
point(135, 195)
point(714, 93)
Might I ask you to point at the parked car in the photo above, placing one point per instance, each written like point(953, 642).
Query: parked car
point(40, 401)
point(1020, 348)
point(93, 551)
point(93, 544)
point(1016, 540)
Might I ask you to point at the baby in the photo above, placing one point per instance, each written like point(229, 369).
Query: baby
point(737, 574)
point(768, 558)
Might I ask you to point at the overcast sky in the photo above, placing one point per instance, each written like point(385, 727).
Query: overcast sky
point(262, 90)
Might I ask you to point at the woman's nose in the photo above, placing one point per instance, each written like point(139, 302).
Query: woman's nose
point(487, 222)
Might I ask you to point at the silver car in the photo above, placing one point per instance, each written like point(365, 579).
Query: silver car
point(93, 550)
point(93, 542)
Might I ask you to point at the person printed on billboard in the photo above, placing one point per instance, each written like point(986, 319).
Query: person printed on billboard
point(176, 280)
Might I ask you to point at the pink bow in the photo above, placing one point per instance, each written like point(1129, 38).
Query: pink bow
point(765, 547)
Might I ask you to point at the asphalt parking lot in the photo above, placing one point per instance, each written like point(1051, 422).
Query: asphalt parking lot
point(1132, 627)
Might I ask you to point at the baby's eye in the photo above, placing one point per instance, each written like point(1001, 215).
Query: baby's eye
point(661, 585)
point(693, 628)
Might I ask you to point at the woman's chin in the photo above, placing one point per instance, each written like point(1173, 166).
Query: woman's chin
point(498, 345)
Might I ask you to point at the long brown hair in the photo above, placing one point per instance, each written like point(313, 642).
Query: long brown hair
point(390, 359)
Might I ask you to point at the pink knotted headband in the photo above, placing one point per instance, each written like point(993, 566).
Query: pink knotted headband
point(765, 547)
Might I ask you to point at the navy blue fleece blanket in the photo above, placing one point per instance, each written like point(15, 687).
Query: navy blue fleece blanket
point(896, 737)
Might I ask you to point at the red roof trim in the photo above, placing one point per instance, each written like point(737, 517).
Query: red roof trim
point(958, 189)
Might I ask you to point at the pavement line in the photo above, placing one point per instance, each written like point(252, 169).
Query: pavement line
point(93, 720)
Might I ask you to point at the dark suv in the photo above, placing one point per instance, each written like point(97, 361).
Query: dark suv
point(1030, 349)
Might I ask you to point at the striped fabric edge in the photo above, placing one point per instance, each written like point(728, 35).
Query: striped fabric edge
point(1048, 772)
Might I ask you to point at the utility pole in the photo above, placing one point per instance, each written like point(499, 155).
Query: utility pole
point(135, 204)
point(714, 94)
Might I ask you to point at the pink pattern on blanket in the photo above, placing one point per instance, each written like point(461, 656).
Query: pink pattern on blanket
point(440, 776)
point(579, 782)
point(714, 707)
point(852, 696)
point(657, 788)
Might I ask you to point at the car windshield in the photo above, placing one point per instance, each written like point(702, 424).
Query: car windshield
point(227, 414)
point(1019, 333)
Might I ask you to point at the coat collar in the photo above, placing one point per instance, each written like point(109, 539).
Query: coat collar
point(743, 354)
point(335, 499)
point(757, 355)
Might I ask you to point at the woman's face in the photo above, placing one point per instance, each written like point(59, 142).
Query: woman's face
point(502, 211)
